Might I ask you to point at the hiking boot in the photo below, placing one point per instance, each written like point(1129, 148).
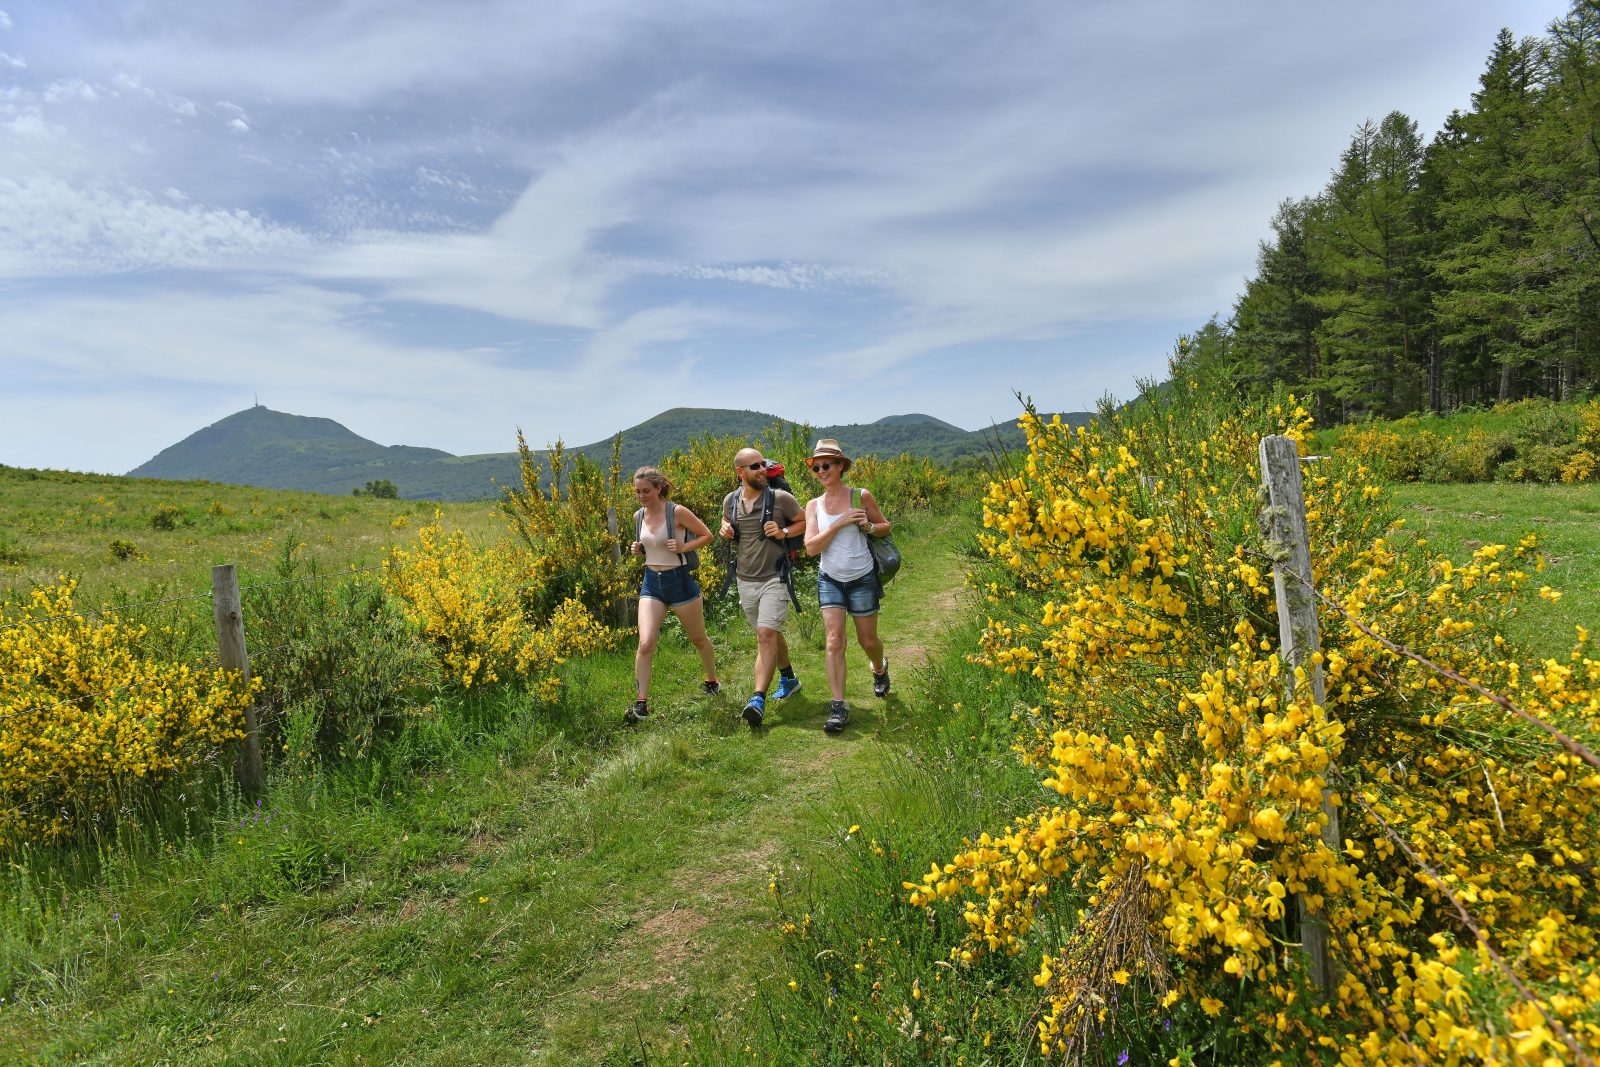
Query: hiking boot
point(787, 686)
point(755, 711)
point(638, 713)
point(838, 715)
point(711, 689)
point(880, 682)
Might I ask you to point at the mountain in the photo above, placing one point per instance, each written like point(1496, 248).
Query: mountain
point(277, 450)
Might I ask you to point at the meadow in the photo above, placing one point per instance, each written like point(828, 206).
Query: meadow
point(137, 537)
point(502, 872)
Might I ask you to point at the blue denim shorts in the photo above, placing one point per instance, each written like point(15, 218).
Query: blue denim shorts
point(859, 596)
point(672, 588)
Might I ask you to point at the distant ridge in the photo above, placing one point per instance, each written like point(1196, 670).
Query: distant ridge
point(277, 450)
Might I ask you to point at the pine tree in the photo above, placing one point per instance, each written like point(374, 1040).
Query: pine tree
point(1369, 239)
point(1487, 273)
point(1275, 320)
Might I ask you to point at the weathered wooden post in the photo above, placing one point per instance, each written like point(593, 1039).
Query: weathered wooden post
point(233, 656)
point(1284, 523)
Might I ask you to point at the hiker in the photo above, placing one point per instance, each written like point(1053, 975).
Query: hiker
point(758, 518)
point(838, 524)
point(666, 534)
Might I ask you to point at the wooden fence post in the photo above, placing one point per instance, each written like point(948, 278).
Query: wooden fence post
point(1287, 542)
point(233, 656)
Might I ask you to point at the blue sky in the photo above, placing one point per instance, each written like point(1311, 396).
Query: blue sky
point(437, 222)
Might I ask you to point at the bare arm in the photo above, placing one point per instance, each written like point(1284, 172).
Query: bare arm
point(877, 525)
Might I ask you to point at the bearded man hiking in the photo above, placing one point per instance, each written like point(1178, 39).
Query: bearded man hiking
point(758, 525)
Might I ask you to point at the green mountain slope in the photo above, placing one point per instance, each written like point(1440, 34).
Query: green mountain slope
point(277, 450)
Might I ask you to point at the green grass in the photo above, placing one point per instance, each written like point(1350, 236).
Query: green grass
point(508, 883)
point(57, 522)
point(502, 883)
point(1459, 518)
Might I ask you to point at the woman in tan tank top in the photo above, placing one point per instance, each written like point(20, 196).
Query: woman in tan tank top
point(669, 583)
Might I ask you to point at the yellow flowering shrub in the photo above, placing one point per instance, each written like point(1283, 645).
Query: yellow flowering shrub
point(85, 710)
point(1129, 578)
point(558, 514)
point(475, 607)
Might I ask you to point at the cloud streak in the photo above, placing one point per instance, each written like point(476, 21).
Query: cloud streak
point(435, 222)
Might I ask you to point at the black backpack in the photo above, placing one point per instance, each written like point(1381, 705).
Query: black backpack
point(685, 559)
point(792, 546)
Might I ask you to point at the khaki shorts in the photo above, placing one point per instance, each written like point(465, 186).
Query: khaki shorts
point(765, 603)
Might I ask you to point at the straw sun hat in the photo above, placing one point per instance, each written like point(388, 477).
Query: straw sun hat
point(828, 448)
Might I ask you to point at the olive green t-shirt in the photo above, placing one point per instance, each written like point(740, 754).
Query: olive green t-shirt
point(759, 555)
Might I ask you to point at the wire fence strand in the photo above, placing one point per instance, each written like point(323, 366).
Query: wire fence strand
point(109, 609)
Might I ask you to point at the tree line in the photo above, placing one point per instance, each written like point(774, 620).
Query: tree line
point(1461, 271)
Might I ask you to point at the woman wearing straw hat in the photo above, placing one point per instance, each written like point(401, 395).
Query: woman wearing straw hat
point(837, 529)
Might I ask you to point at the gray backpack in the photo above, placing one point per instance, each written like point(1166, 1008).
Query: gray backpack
point(685, 559)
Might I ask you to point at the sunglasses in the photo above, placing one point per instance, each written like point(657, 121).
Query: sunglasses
point(758, 465)
point(823, 465)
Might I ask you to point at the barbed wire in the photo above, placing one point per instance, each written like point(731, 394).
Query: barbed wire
point(311, 578)
point(1466, 918)
point(110, 609)
point(116, 608)
point(1570, 744)
point(146, 684)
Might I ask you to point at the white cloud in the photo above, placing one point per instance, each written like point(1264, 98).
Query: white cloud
point(10, 62)
point(48, 227)
point(305, 350)
point(5, 21)
point(70, 89)
point(886, 188)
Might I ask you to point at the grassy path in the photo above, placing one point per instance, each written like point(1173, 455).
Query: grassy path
point(561, 889)
point(701, 935)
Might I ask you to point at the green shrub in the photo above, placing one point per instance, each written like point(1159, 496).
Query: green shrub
point(124, 550)
point(1472, 457)
point(1543, 422)
point(1539, 463)
point(335, 651)
point(165, 517)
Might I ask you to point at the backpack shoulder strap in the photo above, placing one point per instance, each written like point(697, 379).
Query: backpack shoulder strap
point(727, 512)
point(671, 508)
point(638, 525)
point(768, 499)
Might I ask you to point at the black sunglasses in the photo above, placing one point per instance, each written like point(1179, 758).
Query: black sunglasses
point(822, 466)
point(758, 465)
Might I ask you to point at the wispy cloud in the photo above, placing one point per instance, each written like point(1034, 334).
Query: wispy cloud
point(434, 222)
point(48, 227)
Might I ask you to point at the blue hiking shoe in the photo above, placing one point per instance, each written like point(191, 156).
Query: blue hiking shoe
point(755, 711)
point(787, 686)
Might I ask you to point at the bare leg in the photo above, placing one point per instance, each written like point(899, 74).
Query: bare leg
point(833, 627)
point(768, 646)
point(867, 638)
point(782, 651)
point(693, 617)
point(651, 612)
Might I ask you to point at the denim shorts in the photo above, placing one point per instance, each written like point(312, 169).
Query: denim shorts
point(860, 596)
point(672, 588)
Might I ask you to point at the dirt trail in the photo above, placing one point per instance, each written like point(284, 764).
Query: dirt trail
point(674, 944)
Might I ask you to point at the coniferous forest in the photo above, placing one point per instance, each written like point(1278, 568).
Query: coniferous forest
point(1429, 276)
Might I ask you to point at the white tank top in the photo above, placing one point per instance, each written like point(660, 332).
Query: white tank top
point(655, 541)
point(847, 556)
